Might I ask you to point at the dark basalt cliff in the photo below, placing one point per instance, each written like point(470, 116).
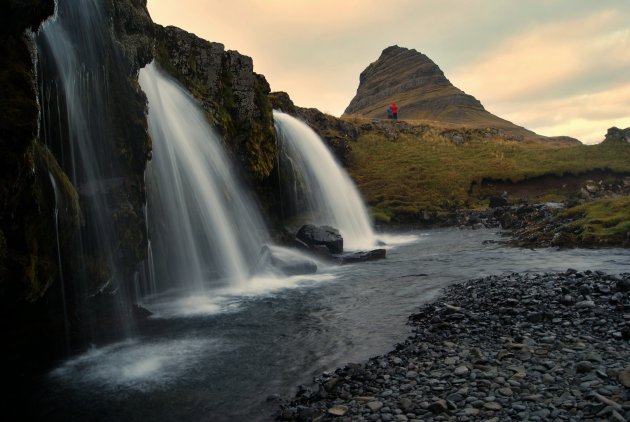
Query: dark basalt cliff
point(32, 254)
point(20, 188)
point(233, 96)
point(422, 92)
point(42, 213)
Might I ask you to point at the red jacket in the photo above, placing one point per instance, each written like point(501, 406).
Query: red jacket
point(394, 108)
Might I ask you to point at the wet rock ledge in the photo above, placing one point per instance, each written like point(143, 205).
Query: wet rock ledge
point(537, 347)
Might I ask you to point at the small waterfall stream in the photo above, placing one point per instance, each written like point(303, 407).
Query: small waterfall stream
point(329, 195)
point(62, 285)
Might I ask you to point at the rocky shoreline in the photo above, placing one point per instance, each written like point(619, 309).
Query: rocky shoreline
point(532, 347)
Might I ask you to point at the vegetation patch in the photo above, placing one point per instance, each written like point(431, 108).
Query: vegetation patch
point(423, 170)
point(606, 221)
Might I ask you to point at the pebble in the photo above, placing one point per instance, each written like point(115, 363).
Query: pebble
point(461, 370)
point(510, 347)
point(375, 406)
point(338, 410)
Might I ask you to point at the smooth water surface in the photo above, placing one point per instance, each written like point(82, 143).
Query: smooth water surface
point(222, 364)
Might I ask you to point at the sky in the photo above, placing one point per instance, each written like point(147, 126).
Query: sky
point(557, 67)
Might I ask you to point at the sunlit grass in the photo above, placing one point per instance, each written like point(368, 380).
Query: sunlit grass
point(604, 219)
point(429, 172)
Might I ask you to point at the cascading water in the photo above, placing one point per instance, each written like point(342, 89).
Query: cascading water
point(76, 62)
point(203, 225)
point(62, 286)
point(330, 196)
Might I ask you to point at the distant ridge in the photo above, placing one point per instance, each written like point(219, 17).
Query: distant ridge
point(422, 92)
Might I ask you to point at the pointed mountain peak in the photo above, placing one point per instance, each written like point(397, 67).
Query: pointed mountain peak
point(415, 82)
point(422, 93)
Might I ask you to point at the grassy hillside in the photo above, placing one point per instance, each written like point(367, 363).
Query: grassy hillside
point(405, 172)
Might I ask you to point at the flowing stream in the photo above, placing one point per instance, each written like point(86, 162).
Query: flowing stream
point(222, 365)
point(321, 185)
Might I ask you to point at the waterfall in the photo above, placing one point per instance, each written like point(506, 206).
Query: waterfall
point(62, 286)
point(329, 195)
point(203, 225)
point(77, 62)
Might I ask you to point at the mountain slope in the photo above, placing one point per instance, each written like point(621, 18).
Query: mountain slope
point(423, 93)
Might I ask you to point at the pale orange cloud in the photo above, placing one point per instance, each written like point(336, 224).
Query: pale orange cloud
point(584, 116)
point(544, 57)
point(542, 78)
point(513, 56)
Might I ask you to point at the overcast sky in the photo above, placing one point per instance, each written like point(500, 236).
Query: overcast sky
point(558, 67)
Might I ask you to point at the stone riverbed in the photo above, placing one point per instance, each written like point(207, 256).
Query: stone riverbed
point(534, 347)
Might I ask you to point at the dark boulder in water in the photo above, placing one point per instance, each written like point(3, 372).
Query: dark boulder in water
point(363, 256)
point(321, 235)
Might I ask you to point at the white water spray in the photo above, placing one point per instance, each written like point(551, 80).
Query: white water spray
point(330, 195)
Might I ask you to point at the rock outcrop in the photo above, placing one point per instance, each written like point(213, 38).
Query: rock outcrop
point(24, 197)
point(616, 135)
point(234, 97)
point(43, 212)
point(422, 92)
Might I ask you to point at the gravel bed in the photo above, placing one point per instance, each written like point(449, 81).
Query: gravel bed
point(522, 347)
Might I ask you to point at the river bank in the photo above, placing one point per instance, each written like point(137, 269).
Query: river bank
point(548, 346)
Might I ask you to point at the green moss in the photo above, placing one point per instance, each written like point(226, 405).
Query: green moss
point(602, 221)
point(261, 146)
point(34, 246)
point(381, 215)
point(163, 59)
point(70, 214)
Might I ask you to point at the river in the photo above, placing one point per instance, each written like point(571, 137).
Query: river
point(218, 358)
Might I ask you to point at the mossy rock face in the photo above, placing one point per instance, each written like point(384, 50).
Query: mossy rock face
point(111, 177)
point(21, 209)
point(51, 224)
point(338, 134)
point(234, 98)
point(600, 223)
point(45, 219)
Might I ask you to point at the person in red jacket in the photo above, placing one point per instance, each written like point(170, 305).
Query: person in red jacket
point(394, 111)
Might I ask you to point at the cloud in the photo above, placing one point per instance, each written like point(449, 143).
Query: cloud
point(546, 58)
point(564, 78)
point(520, 59)
point(584, 116)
